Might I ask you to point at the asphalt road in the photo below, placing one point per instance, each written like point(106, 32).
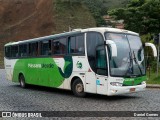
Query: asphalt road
point(34, 98)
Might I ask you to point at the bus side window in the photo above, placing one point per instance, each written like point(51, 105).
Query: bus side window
point(72, 45)
point(33, 49)
point(14, 51)
point(23, 50)
point(76, 45)
point(59, 46)
point(45, 47)
point(8, 51)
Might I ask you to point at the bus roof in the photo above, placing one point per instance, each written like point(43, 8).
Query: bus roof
point(75, 31)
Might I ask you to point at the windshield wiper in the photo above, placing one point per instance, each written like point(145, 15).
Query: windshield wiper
point(135, 60)
point(130, 66)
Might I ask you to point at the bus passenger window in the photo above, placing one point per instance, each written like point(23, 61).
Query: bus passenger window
point(23, 50)
point(59, 46)
point(14, 51)
point(33, 49)
point(76, 45)
point(46, 48)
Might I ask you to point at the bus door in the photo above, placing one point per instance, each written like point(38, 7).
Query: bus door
point(90, 82)
point(101, 70)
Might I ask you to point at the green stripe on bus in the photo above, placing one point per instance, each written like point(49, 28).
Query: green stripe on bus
point(43, 71)
point(134, 81)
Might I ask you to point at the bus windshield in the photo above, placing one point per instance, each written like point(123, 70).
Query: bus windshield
point(130, 55)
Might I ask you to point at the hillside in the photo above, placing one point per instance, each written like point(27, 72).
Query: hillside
point(25, 19)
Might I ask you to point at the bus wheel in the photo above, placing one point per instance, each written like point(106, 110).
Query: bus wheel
point(78, 88)
point(22, 81)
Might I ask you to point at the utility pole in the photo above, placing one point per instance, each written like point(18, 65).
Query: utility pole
point(158, 54)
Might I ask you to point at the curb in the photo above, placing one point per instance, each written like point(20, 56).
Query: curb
point(153, 86)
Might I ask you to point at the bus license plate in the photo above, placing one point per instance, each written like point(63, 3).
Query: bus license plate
point(132, 90)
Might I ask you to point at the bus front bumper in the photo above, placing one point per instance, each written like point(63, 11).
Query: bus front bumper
point(116, 90)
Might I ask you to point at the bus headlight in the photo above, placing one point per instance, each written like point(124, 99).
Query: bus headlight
point(116, 84)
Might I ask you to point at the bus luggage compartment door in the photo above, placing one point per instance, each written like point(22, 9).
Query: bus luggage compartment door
point(101, 84)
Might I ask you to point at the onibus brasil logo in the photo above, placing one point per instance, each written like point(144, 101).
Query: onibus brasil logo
point(79, 65)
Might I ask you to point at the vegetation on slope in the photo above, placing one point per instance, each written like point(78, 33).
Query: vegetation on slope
point(73, 15)
point(99, 8)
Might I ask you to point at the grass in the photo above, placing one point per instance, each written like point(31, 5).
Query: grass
point(153, 78)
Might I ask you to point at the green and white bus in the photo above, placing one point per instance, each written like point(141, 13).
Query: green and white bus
point(102, 60)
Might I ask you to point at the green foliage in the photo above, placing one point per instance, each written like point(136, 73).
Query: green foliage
point(71, 14)
point(136, 3)
point(154, 65)
point(141, 16)
point(146, 38)
point(97, 9)
point(111, 4)
point(153, 78)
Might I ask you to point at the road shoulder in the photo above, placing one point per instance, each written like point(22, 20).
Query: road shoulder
point(153, 86)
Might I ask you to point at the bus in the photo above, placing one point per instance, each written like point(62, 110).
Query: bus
point(99, 60)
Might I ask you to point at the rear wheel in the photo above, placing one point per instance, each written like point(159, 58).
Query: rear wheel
point(78, 88)
point(22, 81)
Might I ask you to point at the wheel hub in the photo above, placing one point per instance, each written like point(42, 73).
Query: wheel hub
point(79, 88)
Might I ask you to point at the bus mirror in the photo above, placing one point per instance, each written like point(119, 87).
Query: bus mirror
point(153, 48)
point(113, 46)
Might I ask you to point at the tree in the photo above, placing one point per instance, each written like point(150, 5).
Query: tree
point(97, 9)
point(141, 16)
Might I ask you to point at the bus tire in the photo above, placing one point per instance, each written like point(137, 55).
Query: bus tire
point(22, 81)
point(78, 88)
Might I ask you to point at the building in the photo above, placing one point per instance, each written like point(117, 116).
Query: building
point(113, 23)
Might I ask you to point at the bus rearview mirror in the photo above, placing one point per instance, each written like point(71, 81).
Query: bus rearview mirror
point(113, 46)
point(153, 48)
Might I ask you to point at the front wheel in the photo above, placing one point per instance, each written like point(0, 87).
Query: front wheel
point(22, 81)
point(78, 88)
